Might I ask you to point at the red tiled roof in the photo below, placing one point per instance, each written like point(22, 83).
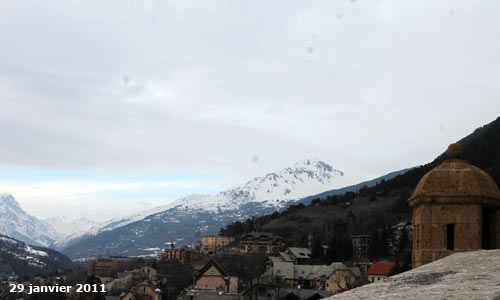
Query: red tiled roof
point(380, 268)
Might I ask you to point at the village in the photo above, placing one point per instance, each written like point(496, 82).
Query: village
point(256, 265)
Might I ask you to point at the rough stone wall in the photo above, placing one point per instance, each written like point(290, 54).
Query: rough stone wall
point(430, 232)
point(469, 275)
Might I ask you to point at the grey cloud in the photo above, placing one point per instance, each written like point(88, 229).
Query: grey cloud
point(202, 86)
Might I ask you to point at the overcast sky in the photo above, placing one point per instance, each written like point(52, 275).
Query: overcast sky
point(107, 107)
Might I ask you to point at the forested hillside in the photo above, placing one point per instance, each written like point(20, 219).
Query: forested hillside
point(18, 258)
point(370, 209)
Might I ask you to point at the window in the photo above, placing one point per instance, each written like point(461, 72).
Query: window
point(450, 236)
point(488, 238)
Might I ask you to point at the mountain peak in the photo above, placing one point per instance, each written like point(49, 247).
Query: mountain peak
point(16, 223)
point(310, 162)
point(276, 188)
point(316, 165)
point(9, 203)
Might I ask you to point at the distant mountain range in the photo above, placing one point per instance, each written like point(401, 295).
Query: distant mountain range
point(18, 224)
point(184, 221)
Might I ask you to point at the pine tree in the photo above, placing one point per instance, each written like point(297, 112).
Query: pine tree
point(317, 249)
point(373, 249)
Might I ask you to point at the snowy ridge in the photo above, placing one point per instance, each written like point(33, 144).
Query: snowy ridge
point(260, 195)
point(16, 223)
point(272, 190)
point(97, 228)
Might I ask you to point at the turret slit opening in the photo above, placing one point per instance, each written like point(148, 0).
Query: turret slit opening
point(450, 236)
point(488, 229)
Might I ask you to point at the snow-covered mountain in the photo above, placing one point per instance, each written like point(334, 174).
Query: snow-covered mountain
point(16, 223)
point(111, 224)
point(188, 218)
point(66, 226)
point(273, 190)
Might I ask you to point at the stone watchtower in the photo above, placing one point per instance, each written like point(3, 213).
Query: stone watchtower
point(456, 207)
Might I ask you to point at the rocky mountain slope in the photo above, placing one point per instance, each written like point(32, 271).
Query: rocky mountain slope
point(187, 219)
point(16, 223)
point(21, 259)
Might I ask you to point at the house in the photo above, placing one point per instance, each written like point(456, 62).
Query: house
point(102, 267)
point(297, 255)
point(185, 255)
point(291, 254)
point(259, 243)
point(213, 277)
point(271, 260)
point(360, 246)
point(123, 280)
point(211, 244)
point(148, 291)
point(210, 295)
point(289, 275)
point(148, 272)
point(273, 292)
point(300, 294)
point(342, 279)
point(110, 266)
point(130, 278)
point(130, 295)
point(143, 291)
point(379, 271)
